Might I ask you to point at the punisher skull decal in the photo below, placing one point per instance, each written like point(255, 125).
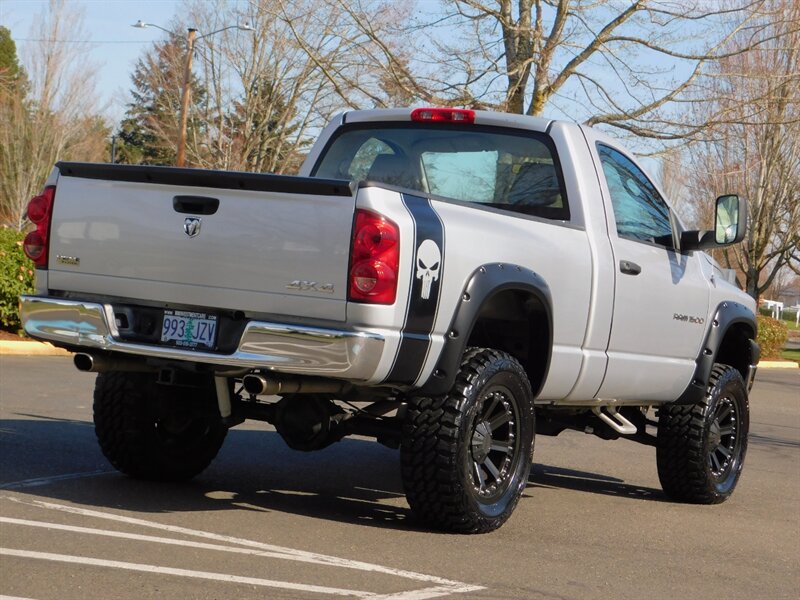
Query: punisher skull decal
point(429, 259)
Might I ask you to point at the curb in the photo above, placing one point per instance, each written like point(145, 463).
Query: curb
point(26, 348)
point(778, 364)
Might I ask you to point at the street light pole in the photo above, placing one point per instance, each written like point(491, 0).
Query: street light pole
point(187, 76)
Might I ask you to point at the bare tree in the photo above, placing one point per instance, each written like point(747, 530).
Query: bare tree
point(258, 97)
point(630, 65)
point(149, 131)
point(672, 177)
point(755, 149)
point(54, 116)
point(785, 287)
point(364, 50)
point(264, 91)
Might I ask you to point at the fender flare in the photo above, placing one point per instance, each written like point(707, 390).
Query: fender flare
point(726, 316)
point(483, 284)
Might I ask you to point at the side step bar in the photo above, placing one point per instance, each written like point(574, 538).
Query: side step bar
point(610, 416)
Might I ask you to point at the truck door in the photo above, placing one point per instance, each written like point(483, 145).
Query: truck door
point(660, 294)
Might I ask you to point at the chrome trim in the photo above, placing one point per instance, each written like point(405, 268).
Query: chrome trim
point(352, 355)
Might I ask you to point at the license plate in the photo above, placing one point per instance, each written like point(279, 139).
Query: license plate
point(189, 329)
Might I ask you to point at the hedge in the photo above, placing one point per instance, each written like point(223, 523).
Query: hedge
point(16, 277)
point(771, 336)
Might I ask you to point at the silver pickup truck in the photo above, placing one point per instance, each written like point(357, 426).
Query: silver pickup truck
point(447, 281)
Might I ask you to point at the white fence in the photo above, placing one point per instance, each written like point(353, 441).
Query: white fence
point(777, 309)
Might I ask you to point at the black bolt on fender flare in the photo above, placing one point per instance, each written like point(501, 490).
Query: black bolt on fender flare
point(485, 282)
point(727, 314)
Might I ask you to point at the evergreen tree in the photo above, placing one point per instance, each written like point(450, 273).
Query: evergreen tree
point(148, 134)
point(260, 123)
point(14, 109)
point(9, 64)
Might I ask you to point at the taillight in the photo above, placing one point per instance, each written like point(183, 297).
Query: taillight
point(374, 259)
point(443, 115)
point(40, 211)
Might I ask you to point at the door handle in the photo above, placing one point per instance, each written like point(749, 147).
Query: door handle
point(195, 205)
point(629, 268)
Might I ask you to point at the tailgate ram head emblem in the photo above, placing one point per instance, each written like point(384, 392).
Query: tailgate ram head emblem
point(428, 260)
point(191, 226)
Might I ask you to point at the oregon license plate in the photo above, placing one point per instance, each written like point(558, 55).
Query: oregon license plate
point(189, 329)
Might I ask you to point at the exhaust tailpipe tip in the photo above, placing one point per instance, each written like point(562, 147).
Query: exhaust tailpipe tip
point(84, 362)
point(255, 384)
point(90, 363)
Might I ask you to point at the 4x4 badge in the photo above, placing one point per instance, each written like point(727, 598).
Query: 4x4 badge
point(191, 226)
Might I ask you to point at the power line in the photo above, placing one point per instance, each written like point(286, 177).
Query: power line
point(83, 41)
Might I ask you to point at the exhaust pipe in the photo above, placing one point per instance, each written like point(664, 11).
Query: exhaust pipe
point(258, 385)
point(89, 363)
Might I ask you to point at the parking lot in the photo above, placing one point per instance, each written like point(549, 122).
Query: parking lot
point(267, 522)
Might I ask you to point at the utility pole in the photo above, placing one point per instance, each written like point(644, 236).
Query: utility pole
point(187, 79)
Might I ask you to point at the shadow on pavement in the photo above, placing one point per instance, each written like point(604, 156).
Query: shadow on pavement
point(353, 481)
point(547, 476)
point(756, 439)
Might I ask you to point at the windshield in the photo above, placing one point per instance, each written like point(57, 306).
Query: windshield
point(511, 171)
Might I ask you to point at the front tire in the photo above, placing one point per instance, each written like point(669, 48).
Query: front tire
point(701, 447)
point(466, 456)
point(149, 431)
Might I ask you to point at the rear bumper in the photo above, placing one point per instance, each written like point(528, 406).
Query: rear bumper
point(351, 355)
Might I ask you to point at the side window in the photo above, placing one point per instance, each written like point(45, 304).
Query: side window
point(639, 210)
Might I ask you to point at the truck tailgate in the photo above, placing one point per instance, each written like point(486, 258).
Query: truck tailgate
point(273, 244)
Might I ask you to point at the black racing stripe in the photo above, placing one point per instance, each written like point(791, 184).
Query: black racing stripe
point(415, 337)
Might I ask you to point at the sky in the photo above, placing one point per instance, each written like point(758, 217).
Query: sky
point(117, 45)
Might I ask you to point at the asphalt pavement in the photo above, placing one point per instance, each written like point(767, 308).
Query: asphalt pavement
point(267, 522)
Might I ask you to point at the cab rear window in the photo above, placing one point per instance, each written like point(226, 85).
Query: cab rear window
point(514, 171)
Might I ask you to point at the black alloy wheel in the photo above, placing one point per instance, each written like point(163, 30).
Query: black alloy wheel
point(723, 440)
point(493, 448)
point(701, 447)
point(466, 456)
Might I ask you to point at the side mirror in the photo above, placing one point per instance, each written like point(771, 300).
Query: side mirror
point(730, 221)
point(730, 226)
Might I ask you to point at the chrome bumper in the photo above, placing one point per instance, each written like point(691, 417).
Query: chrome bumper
point(351, 355)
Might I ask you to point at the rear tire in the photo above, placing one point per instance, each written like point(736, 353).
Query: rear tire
point(701, 447)
point(466, 456)
point(149, 431)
